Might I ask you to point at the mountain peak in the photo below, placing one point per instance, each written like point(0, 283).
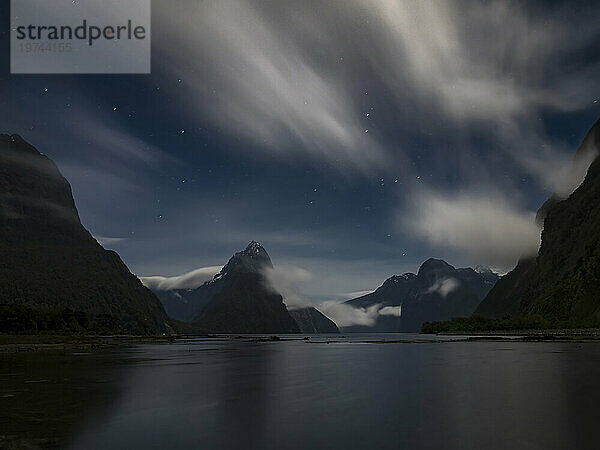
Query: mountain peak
point(433, 264)
point(405, 277)
point(253, 259)
point(254, 247)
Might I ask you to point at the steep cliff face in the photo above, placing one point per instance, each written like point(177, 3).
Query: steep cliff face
point(311, 320)
point(238, 299)
point(562, 284)
point(49, 260)
point(437, 292)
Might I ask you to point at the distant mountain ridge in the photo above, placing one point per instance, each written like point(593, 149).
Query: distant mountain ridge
point(49, 260)
point(561, 284)
point(437, 292)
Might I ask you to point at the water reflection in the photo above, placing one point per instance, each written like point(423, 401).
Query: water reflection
point(235, 394)
point(46, 398)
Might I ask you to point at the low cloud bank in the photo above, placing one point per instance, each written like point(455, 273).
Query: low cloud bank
point(190, 280)
point(345, 315)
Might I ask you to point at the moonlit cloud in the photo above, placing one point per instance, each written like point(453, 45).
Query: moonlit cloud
point(345, 315)
point(487, 228)
point(287, 281)
point(190, 280)
point(395, 311)
point(351, 295)
point(574, 173)
point(489, 65)
point(105, 241)
point(294, 81)
point(444, 286)
point(262, 85)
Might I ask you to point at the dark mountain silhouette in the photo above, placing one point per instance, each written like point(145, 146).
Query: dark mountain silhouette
point(238, 299)
point(49, 261)
point(437, 292)
point(311, 320)
point(562, 284)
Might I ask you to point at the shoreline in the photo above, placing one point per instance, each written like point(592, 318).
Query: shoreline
point(11, 344)
point(557, 333)
point(56, 343)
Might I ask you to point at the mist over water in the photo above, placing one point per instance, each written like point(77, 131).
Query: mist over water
point(236, 394)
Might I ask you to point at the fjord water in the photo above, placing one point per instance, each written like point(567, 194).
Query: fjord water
point(236, 394)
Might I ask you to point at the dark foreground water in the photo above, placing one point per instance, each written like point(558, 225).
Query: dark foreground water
point(236, 394)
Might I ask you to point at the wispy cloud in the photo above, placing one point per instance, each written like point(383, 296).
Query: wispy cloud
point(351, 295)
point(492, 66)
point(444, 286)
point(261, 84)
point(573, 174)
point(295, 81)
point(105, 241)
point(287, 281)
point(190, 280)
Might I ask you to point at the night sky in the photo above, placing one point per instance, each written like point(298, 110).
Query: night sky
point(353, 139)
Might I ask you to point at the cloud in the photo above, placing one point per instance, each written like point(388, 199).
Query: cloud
point(287, 281)
point(488, 228)
point(190, 280)
point(108, 137)
point(299, 81)
point(351, 295)
point(444, 286)
point(490, 66)
point(345, 315)
point(395, 311)
point(108, 241)
point(575, 172)
point(261, 84)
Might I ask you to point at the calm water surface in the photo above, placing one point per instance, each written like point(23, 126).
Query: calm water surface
point(237, 394)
